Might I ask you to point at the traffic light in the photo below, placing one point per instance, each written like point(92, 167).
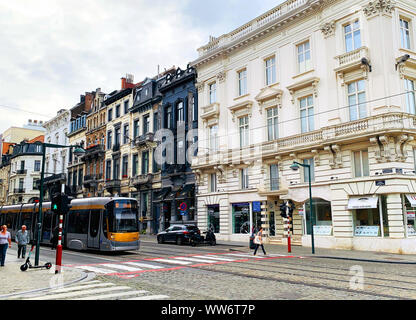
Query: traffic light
point(291, 208)
point(60, 204)
point(283, 213)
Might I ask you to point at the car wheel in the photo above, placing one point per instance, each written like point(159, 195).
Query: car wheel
point(179, 241)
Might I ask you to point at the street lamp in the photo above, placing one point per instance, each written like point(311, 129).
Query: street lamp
point(78, 152)
point(295, 167)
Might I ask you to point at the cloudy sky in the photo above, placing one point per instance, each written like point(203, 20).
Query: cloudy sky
point(52, 51)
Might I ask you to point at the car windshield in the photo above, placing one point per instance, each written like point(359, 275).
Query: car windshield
point(123, 216)
point(192, 228)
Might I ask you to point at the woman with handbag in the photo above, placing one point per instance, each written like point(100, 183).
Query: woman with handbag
point(258, 241)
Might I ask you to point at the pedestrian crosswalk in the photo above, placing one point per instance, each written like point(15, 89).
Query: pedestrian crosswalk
point(163, 264)
point(94, 290)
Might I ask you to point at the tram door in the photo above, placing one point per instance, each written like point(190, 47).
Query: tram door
point(94, 230)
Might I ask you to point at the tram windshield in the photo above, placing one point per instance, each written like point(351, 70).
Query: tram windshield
point(123, 216)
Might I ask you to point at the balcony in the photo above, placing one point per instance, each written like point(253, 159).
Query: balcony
point(142, 179)
point(144, 139)
point(210, 112)
point(116, 148)
point(113, 184)
point(22, 171)
point(92, 180)
point(272, 187)
point(93, 152)
point(351, 60)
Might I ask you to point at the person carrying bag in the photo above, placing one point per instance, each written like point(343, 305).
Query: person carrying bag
point(258, 241)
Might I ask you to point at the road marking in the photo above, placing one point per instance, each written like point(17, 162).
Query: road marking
point(114, 295)
point(144, 265)
point(90, 286)
point(244, 255)
point(79, 293)
point(195, 260)
point(172, 261)
point(120, 266)
point(156, 297)
point(94, 269)
point(215, 258)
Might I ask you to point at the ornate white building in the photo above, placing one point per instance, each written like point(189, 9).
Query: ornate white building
point(326, 83)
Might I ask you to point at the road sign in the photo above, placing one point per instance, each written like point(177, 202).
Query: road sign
point(183, 206)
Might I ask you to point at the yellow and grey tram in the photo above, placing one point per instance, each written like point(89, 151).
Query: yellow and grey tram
point(104, 224)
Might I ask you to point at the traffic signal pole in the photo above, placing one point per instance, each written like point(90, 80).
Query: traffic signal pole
point(58, 261)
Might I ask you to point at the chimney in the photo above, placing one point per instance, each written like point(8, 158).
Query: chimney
point(123, 83)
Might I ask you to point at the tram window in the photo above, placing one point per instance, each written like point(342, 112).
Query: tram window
point(47, 225)
point(105, 222)
point(9, 220)
point(94, 223)
point(26, 219)
point(78, 222)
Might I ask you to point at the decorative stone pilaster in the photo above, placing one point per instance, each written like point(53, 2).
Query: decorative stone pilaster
point(328, 29)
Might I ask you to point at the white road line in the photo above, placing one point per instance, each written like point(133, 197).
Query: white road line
point(156, 297)
point(90, 286)
point(172, 261)
point(195, 260)
point(78, 293)
point(215, 258)
point(143, 265)
point(244, 255)
point(94, 269)
point(114, 295)
point(120, 266)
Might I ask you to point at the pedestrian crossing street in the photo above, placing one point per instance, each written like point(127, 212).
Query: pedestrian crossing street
point(134, 268)
point(94, 290)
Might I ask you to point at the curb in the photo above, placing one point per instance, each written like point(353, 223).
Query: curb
point(364, 260)
point(84, 276)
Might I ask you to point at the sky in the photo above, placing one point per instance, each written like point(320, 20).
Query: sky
point(53, 51)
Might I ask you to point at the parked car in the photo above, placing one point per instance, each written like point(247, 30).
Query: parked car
point(177, 233)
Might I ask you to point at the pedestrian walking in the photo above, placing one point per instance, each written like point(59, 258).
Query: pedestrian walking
point(5, 242)
point(258, 241)
point(22, 240)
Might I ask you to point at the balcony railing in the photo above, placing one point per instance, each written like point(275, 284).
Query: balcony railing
point(19, 190)
point(144, 139)
point(142, 179)
point(351, 59)
point(22, 171)
point(112, 184)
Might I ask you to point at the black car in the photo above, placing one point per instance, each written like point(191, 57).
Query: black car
point(179, 234)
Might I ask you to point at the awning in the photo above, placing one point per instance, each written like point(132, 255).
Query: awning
point(363, 203)
point(187, 192)
point(159, 196)
point(412, 200)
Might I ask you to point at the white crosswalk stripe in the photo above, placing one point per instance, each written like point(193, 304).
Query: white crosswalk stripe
point(88, 286)
point(195, 260)
point(173, 261)
point(215, 258)
point(79, 293)
point(244, 255)
point(121, 267)
point(156, 297)
point(143, 265)
point(95, 269)
point(114, 295)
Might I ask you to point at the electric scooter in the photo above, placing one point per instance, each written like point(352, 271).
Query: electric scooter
point(28, 264)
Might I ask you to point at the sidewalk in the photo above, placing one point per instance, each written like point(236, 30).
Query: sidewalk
point(351, 255)
point(14, 281)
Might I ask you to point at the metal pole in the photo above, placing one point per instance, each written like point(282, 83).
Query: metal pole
point(311, 209)
point(58, 262)
point(39, 226)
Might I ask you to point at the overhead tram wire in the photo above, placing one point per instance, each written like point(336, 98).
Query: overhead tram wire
point(26, 111)
point(317, 114)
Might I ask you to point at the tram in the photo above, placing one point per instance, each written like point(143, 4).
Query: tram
point(99, 224)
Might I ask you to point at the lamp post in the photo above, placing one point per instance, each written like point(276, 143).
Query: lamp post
point(78, 151)
point(295, 167)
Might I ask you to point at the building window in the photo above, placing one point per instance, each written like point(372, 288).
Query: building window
point(410, 96)
point(168, 118)
point(212, 93)
point(322, 216)
point(116, 172)
point(307, 114)
point(110, 115)
point(109, 140)
point(126, 107)
point(135, 128)
point(180, 112)
point(304, 57)
point(405, 33)
point(356, 100)
point(213, 138)
point(194, 109)
point(274, 177)
point(372, 222)
point(361, 165)
point(242, 82)
point(118, 111)
point(352, 36)
point(311, 163)
point(117, 136)
point(145, 162)
point(213, 182)
point(108, 170)
point(37, 165)
point(241, 218)
point(126, 134)
point(125, 168)
point(80, 177)
point(244, 133)
point(135, 165)
point(244, 178)
point(272, 124)
point(155, 122)
point(214, 218)
point(270, 71)
point(146, 124)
